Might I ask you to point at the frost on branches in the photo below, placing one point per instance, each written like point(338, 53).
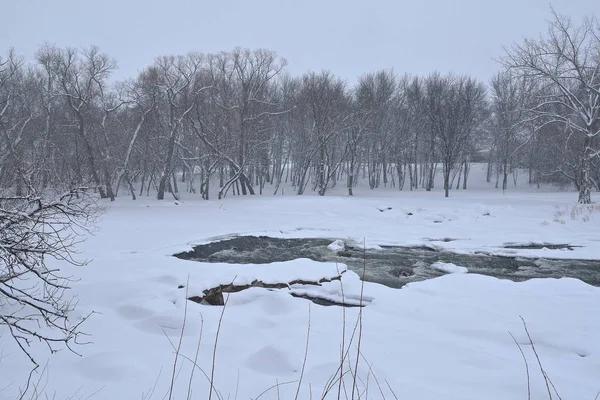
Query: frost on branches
point(34, 299)
point(566, 64)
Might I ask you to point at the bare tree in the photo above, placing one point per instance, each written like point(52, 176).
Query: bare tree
point(355, 133)
point(286, 132)
point(454, 107)
point(324, 110)
point(34, 301)
point(83, 79)
point(16, 114)
point(403, 139)
point(412, 91)
point(245, 99)
point(566, 63)
point(510, 96)
point(141, 100)
point(375, 94)
point(177, 76)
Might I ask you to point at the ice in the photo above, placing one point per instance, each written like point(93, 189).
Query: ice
point(449, 268)
point(337, 245)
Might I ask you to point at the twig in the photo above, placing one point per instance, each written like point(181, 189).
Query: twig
point(180, 341)
point(273, 387)
point(277, 389)
point(305, 355)
point(219, 396)
point(343, 341)
point(237, 385)
point(526, 366)
point(189, 396)
point(374, 376)
point(546, 378)
point(151, 393)
point(391, 390)
point(360, 314)
point(214, 354)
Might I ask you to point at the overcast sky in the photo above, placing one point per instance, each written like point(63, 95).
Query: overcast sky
point(348, 37)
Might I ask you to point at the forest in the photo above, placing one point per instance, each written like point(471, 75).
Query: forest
point(238, 122)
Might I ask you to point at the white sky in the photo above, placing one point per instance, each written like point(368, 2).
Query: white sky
point(349, 37)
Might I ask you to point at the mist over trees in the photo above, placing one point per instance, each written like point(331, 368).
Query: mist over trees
point(239, 121)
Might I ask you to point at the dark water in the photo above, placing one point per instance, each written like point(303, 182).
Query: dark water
point(393, 266)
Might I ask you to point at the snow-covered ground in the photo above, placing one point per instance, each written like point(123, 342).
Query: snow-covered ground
point(445, 338)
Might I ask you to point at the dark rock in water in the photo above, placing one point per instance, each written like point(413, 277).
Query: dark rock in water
point(214, 296)
point(215, 299)
point(401, 272)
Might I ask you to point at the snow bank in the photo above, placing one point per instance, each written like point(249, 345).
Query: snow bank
point(442, 338)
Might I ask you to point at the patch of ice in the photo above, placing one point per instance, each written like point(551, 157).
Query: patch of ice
point(337, 245)
point(449, 268)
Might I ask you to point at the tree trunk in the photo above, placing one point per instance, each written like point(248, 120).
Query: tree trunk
point(350, 181)
point(401, 175)
point(585, 169)
point(166, 172)
point(446, 180)
point(466, 174)
point(488, 175)
point(90, 156)
point(109, 191)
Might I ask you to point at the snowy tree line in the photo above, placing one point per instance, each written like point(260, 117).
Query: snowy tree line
point(240, 121)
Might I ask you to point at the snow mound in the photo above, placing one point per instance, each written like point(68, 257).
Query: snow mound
point(337, 245)
point(271, 361)
point(108, 367)
point(449, 268)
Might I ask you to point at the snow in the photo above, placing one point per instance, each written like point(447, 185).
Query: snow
point(337, 245)
point(449, 268)
point(214, 275)
point(446, 337)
